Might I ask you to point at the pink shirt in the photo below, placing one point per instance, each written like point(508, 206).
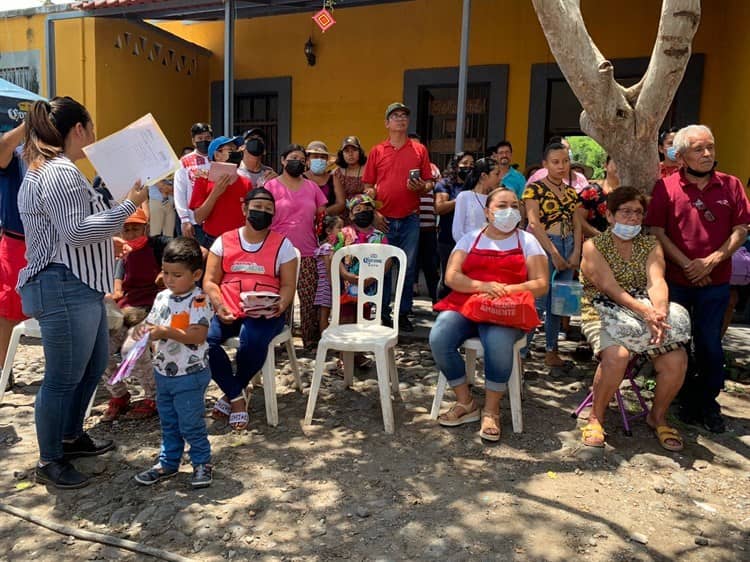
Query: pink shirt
point(295, 213)
point(579, 180)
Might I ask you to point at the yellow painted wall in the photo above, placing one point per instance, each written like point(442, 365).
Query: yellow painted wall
point(24, 34)
point(173, 87)
point(361, 60)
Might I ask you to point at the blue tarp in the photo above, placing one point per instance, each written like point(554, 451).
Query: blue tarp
point(14, 102)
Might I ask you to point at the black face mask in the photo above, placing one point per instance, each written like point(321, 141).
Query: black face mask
point(234, 157)
point(259, 220)
point(363, 219)
point(295, 168)
point(697, 174)
point(256, 147)
point(463, 172)
point(202, 146)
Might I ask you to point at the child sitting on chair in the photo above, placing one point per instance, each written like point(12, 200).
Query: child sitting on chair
point(136, 284)
point(178, 326)
point(361, 231)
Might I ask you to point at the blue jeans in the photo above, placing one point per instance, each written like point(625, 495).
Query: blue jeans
point(544, 304)
point(402, 233)
point(181, 404)
point(75, 339)
point(255, 335)
point(451, 329)
point(705, 377)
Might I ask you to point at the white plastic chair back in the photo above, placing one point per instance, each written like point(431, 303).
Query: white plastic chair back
point(372, 265)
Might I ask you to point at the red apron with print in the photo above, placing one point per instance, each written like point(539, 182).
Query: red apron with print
point(503, 266)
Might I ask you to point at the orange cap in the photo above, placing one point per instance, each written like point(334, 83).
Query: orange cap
point(139, 217)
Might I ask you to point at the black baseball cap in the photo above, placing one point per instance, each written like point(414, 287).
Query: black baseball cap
point(199, 128)
point(254, 132)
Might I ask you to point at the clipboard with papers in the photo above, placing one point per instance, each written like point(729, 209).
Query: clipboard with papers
point(140, 151)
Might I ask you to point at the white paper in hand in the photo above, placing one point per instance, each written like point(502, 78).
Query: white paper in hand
point(140, 151)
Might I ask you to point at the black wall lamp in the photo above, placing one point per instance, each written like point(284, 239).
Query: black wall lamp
point(310, 52)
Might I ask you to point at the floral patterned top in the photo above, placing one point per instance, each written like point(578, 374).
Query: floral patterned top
point(594, 200)
point(553, 210)
point(629, 274)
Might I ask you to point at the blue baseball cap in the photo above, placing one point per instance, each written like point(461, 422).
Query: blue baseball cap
point(218, 142)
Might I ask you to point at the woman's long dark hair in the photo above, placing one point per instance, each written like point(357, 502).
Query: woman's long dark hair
point(451, 171)
point(481, 166)
point(48, 124)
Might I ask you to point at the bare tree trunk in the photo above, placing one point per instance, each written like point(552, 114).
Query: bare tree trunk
point(625, 121)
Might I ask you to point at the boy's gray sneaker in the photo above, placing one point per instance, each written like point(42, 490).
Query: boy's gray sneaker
point(202, 476)
point(154, 475)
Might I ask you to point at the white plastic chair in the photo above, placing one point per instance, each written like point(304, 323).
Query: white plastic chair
point(29, 328)
point(268, 372)
point(473, 349)
point(366, 335)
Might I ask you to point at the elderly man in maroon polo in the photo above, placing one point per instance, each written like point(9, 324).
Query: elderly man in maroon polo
point(388, 179)
point(700, 216)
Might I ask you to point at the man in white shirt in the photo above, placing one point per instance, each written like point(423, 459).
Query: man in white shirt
point(201, 135)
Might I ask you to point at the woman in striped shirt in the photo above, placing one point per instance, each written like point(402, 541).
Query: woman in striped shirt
point(70, 256)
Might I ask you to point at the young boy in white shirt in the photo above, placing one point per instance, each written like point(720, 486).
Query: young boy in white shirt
point(178, 325)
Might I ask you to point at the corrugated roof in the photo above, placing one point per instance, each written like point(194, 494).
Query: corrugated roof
point(206, 9)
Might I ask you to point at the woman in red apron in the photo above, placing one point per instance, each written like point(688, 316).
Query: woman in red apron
point(498, 260)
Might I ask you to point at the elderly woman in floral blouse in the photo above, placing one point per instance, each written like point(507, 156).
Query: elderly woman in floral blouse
point(625, 309)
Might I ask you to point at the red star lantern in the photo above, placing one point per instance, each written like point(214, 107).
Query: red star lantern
point(324, 19)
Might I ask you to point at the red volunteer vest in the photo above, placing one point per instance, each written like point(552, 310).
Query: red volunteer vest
point(248, 271)
point(508, 266)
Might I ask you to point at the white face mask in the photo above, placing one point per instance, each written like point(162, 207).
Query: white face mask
point(506, 219)
point(626, 231)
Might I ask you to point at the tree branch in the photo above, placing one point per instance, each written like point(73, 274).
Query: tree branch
point(677, 26)
point(588, 73)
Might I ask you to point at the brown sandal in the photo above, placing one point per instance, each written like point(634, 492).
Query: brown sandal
point(490, 422)
point(453, 417)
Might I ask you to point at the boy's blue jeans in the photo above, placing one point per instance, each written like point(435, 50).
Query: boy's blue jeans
point(180, 401)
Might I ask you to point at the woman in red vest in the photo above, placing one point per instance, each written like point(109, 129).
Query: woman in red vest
point(249, 259)
point(498, 259)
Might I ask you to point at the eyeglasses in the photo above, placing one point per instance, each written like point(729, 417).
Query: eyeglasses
point(627, 213)
point(701, 207)
point(398, 116)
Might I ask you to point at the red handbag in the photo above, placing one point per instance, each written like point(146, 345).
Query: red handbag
point(516, 310)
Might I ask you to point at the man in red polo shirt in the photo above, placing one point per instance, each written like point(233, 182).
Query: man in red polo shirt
point(386, 179)
point(700, 216)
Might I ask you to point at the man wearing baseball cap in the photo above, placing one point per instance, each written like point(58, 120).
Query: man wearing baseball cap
point(252, 166)
point(387, 179)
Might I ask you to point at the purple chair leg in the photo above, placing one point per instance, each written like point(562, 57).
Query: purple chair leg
point(644, 406)
point(586, 402)
point(623, 413)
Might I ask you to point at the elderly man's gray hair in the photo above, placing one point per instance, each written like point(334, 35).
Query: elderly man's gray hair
point(681, 140)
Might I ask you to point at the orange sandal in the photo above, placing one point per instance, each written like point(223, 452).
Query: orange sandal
point(593, 434)
point(116, 407)
point(141, 410)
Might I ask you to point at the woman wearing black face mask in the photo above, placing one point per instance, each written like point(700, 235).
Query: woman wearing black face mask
point(298, 202)
point(228, 274)
point(217, 205)
point(252, 166)
point(446, 191)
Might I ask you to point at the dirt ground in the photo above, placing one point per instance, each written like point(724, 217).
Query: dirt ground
point(343, 489)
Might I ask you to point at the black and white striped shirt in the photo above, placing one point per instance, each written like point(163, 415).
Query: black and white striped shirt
point(67, 222)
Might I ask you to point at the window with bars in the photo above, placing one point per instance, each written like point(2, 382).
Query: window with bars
point(436, 120)
point(23, 76)
point(259, 111)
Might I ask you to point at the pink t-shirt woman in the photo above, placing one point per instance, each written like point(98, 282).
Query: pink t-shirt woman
point(295, 213)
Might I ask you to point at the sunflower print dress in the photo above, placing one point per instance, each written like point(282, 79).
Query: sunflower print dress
point(553, 210)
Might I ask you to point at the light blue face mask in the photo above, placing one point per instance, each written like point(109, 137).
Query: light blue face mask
point(672, 153)
point(626, 231)
point(318, 165)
